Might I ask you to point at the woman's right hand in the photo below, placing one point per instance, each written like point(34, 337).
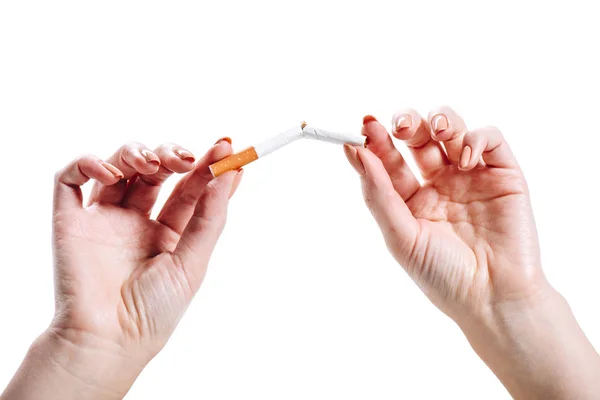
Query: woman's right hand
point(123, 280)
point(467, 237)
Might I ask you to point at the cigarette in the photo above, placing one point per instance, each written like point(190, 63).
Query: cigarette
point(251, 154)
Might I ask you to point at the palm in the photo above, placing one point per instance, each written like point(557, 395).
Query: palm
point(122, 277)
point(472, 226)
point(466, 235)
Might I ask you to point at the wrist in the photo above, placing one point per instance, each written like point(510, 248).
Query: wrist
point(64, 364)
point(536, 347)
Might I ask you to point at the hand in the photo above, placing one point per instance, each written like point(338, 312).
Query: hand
point(123, 280)
point(468, 238)
point(122, 276)
point(467, 234)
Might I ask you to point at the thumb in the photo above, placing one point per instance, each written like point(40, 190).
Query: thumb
point(399, 227)
point(204, 228)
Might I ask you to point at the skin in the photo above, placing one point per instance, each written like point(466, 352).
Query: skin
point(123, 281)
point(466, 235)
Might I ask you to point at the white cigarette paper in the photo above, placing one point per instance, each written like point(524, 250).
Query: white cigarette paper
point(307, 132)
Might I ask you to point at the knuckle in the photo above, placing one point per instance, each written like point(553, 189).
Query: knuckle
point(131, 152)
point(135, 145)
point(220, 223)
point(77, 163)
point(444, 109)
point(214, 220)
point(472, 137)
point(469, 136)
point(125, 151)
point(368, 197)
point(151, 180)
point(211, 190)
point(126, 147)
point(86, 158)
point(187, 199)
point(494, 131)
point(131, 148)
point(164, 148)
point(169, 145)
point(58, 175)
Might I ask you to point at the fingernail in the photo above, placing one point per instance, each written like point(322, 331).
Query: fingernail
point(185, 155)
point(150, 157)
point(401, 122)
point(368, 118)
point(113, 170)
point(439, 123)
point(236, 182)
point(225, 138)
point(354, 159)
point(465, 157)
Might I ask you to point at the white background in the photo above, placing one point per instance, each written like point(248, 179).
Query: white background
point(302, 300)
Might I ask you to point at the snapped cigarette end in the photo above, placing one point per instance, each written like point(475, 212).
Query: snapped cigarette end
point(233, 162)
point(303, 124)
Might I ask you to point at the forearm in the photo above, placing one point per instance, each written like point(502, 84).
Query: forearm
point(57, 367)
point(537, 349)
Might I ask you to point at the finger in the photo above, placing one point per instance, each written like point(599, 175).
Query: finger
point(410, 127)
point(380, 143)
point(449, 128)
point(131, 159)
point(236, 182)
point(180, 205)
point(142, 193)
point(393, 216)
point(67, 191)
point(487, 144)
point(204, 228)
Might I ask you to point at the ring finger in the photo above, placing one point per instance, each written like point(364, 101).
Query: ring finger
point(131, 159)
point(143, 190)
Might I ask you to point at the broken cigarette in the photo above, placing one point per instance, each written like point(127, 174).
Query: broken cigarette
point(244, 157)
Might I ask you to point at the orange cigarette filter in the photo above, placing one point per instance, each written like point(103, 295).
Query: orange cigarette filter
point(234, 161)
